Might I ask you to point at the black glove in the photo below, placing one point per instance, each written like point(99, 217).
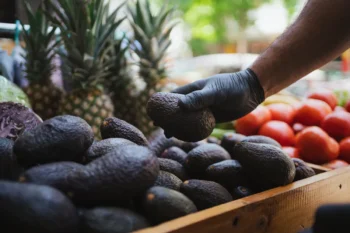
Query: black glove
point(229, 96)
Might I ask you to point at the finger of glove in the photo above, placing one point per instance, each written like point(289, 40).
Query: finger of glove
point(197, 100)
point(195, 86)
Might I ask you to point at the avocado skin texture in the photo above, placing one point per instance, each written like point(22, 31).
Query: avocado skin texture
point(158, 143)
point(262, 139)
point(240, 192)
point(168, 180)
point(164, 110)
point(229, 140)
point(205, 194)
point(110, 220)
point(213, 140)
point(62, 138)
point(202, 157)
point(173, 167)
point(162, 204)
point(228, 173)
point(113, 127)
point(267, 166)
point(176, 154)
point(58, 175)
point(36, 208)
point(100, 148)
point(302, 170)
point(8, 162)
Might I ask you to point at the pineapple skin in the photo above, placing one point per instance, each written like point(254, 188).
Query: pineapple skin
point(44, 99)
point(124, 105)
point(93, 106)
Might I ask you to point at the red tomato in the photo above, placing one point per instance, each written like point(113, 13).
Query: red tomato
point(311, 112)
point(297, 127)
point(280, 131)
point(335, 164)
point(337, 125)
point(251, 123)
point(282, 112)
point(339, 109)
point(316, 146)
point(344, 153)
point(347, 106)
point(325, 95)
point(291, 151)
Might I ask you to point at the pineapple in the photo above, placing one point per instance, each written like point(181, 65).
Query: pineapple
point(151, 35)
point(119, 85)
point(86, 27)
point(43, 95)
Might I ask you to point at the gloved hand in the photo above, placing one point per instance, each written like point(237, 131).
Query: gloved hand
point(229, 96)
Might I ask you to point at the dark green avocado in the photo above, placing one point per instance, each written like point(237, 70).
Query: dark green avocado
point(205, 194)
point(302, 170)
point(228, 173)
point(110, 220)
point(176, 154)
point(168, 180)
point(229, 140)
point(8, 163)
point(262, 139)
point(163, 108)
point(35, 208)
point(119, 175)
point(240, 192)
point(202, 157)
point(59, 175)
point(266, 165)
point(158, 143)
point(113, 127)
point(62, 138)
point(162, 204)
point(173, 167)
point(100, 148)
point(213, 140)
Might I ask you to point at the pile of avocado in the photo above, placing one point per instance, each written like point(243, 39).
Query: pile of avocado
point(56, 178)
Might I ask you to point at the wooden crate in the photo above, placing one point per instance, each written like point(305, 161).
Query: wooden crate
point(287, 209)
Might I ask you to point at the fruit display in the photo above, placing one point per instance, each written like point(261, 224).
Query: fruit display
point(11, 92)
point(101, 185)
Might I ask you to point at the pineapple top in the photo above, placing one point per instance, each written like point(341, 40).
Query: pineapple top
point(40, 45)
point(152, 38)
point(86, 28)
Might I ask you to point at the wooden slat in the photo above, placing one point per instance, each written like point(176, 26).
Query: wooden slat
point(318, 169)
point(286, 209)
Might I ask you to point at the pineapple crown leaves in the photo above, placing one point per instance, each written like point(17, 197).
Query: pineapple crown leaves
point(152, 36)
point(86, 27)
point(40, 45)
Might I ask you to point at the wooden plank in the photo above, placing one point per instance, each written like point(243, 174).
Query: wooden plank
point(286, 209)
point(318, 169)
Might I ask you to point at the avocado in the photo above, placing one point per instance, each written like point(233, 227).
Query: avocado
point(158, 143)
point(240, 192)
point(58, 175)
point(266, 165)
point(176, 154)
point(8, 163)
point(110, 220)
point(162, 204)
point(302, 170)
point(262, 139)
point(62, 138)
point(15, 119)
point(168, 180)
point(173, 167)
point(202, 157)
point(228, 173)
point(188, 146)
point(113, 127)
point(100, 148)
point(213, 140)
point(119, 175)
point(229, 140)
point(163, 108)
point(205, 194)
point(35, 208)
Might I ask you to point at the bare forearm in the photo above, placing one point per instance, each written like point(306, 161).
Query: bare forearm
point(320, 34)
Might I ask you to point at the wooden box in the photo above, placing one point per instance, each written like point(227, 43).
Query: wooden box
point(287, 209)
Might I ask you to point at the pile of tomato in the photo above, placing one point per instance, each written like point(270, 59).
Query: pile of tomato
point(316, 130)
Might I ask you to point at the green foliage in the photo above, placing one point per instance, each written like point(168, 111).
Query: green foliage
point(291, 6)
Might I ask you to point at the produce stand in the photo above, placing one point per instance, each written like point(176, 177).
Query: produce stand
point(287, 209)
